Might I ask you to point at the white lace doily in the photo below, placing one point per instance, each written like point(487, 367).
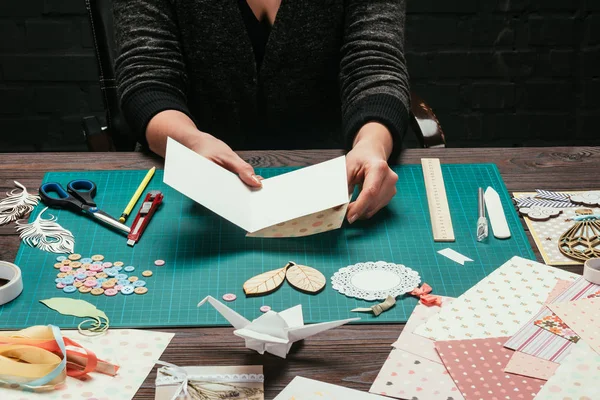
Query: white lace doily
point(375, 280)
point(165, 379)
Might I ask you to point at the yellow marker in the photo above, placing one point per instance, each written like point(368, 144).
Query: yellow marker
point(137, 195)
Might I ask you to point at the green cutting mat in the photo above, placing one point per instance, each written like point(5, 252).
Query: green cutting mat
point(207, 255)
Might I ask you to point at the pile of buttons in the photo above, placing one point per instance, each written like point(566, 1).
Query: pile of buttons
point(98, 277)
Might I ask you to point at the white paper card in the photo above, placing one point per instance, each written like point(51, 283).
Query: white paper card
point(281, 198)
point(307, 389)
point(454, 256)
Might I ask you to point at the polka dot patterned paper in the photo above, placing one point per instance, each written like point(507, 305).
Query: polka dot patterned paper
point(583, 317)
point(477, 368)
point(135, 351)
point(531, 366)
point(576, 378)
point(312, 224)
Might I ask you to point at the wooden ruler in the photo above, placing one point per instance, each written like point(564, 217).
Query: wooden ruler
point(439, 212)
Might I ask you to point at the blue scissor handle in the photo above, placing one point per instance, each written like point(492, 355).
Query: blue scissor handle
point(64, 200)
point(84, 190)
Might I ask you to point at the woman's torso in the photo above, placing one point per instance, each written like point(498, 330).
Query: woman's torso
point(292, 101)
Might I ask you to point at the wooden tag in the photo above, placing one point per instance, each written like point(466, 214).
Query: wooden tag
point(265, 283)
point(305, 279)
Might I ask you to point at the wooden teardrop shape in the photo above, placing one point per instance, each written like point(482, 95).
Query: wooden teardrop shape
point(265, 283)
point(306, 279)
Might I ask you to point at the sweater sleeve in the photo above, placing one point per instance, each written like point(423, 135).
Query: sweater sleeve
point(373, 74)
point(150, 70)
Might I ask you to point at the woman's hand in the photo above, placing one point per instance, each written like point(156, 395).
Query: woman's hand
point(220, 153)
point(180, 127)
point(367, 165)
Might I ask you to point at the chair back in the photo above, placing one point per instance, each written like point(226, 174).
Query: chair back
point(101, 20)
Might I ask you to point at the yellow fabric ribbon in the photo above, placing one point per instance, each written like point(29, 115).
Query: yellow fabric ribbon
point(36, 358)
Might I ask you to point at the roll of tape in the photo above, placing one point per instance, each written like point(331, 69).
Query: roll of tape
point(14, 287)
point(591, 270)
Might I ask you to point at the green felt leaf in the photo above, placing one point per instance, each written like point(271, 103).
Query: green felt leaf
point(74, 307)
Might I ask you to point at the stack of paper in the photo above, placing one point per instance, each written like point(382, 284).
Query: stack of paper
point(458, 350)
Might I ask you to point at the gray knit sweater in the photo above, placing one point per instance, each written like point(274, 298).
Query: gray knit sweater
point(330, 66)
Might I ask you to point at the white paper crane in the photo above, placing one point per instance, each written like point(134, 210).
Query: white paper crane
point(273, 332)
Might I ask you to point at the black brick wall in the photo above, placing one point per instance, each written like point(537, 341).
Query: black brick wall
point(496, 72)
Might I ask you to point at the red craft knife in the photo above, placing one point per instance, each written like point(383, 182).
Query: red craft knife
point(149, 206)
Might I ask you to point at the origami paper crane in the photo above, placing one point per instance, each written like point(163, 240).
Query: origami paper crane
point(273, 332)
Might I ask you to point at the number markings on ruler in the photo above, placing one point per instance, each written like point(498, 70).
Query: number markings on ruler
point(439, 212)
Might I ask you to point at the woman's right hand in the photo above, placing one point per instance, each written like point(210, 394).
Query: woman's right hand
point(220, 153)
point(177, 125)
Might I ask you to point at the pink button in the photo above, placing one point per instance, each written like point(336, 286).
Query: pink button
point(265, 309)
point(65, 268)
point(107, 264)
point(159, 263)
point(81, 270)
point(89, 283)
point(118, 287)
point(229, 297)
point(96, 268)
point(60, 286)
point(111, 292)
point(90, 273)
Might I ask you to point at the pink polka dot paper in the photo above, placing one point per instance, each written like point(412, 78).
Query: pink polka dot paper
point(311, 224)
point(477, 368)
point(582, 316)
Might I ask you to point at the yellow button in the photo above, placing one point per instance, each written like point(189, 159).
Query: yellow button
point(74, 257)
point(61, 274)
point(147, 273)
point(86, 265)
point(108, 285)
point(118, 263)
point(97, 291)
point(140, 290)
point(97, 257)
point(58, 265)
point(66, 262)
point(78, 284)
point(101, 275)
point(133, 278)
point(75, 264)
point(85, 289)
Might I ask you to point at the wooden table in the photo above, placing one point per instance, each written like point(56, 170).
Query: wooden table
point(350, 355)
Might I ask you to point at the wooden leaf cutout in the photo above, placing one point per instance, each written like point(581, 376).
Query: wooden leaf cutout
point(306, 279)
point(265, 283)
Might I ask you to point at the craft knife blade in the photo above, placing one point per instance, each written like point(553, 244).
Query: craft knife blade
point(482, 223)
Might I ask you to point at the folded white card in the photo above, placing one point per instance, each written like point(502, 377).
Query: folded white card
point(302, 193)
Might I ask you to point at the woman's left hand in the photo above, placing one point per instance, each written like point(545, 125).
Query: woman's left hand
point(366, 165)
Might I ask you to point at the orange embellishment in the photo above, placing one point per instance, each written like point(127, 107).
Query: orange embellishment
point(427, 299)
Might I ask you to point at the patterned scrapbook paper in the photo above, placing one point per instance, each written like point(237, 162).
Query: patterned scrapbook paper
point(477, 367)
point(498, 305)
point(547, 233)
point(307, 225)
point(538, 342)
point(561, 286)
point(533, 367)
point(407, 376)
point(576, 378)
point(555, 325)
point(416, 344)
point(583, 316)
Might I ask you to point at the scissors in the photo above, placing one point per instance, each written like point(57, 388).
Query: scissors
point(78, 197)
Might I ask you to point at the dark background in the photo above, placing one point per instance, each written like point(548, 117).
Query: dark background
point(496, 72)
